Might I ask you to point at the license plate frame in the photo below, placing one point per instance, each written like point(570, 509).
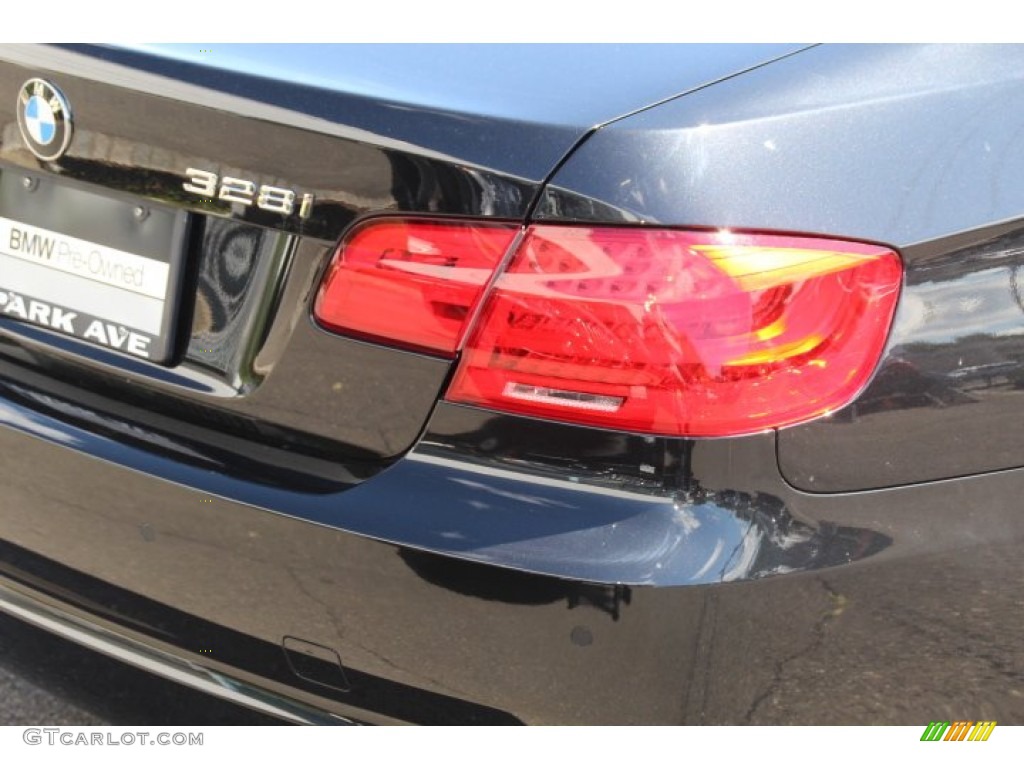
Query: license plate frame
point(116, 264)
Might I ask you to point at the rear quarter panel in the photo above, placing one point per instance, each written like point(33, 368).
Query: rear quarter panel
point(917, 147)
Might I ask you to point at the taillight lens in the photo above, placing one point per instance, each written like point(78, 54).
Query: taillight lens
point(679, 332)
point(410, 282)
point(658, 331)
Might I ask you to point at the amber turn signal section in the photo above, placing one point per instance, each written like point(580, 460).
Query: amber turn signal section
point(677, 332)
point(410, 282)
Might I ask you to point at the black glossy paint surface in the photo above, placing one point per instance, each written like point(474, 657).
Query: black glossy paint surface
point(515, 109)
point(174, 126)
point(251, 361)
point(928, 616)
point(895, 144)
point(631, 511)
point(277, 382)
point(947, 398)
point(911, 146)
point(467, 566)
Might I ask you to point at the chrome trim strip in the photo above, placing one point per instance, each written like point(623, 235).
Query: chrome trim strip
point(20, 603)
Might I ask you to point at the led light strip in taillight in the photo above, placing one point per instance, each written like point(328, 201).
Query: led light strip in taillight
point(661, 331)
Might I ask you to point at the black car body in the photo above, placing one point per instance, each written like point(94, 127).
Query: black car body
point(305, 522)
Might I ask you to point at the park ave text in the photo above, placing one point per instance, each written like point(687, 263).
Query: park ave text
point(58, 318)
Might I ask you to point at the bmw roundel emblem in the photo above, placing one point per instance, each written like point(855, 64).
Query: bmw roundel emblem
point(44, 118)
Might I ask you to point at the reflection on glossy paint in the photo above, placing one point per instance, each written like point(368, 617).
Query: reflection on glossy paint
point(956, 349)
point(516, 507)
point(28, 421)
point(514, 587)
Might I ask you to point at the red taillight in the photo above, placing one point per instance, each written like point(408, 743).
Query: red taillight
point(679, 333)
point(646, 330)
point(410, 282)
